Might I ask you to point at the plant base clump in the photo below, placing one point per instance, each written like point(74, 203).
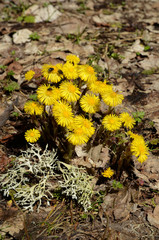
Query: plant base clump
point(29, 180)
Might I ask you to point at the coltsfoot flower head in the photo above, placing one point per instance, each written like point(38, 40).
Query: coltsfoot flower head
point(139, 149)
point(63, 114)
point(135, 136)
point(72, 59)
point(48, 94)
point(29, 75)
point(32, 107)
point(87, 73)
point(128, 121)
point(105, 89)
point(99, 87)
point(69, 91)
point(108, 173)
point(78, 137)
point(85, 124)
point(52, 72)
point(32, 135)
point(111, 122)
point(70, 71)
point(90, 103)
point(112, 98)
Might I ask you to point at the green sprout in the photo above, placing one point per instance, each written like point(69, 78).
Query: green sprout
point(117, 185)
point(15, 114)
point(10, 73)
point(58, 37)
point(13, 52)
point(138, 53)
point(29, 19)
point(26, 19)
point(147, 48)
point(34, 36)
point(76, 38)
point(33, 97)
point(12, 86)
point(150, 71)
point(3, 67)
point(82, 6)
point(138, 116)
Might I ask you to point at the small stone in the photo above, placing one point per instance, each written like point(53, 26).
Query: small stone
point(22, 36)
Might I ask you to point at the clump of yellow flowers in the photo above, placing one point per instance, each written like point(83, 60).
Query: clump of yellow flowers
point(68, 112)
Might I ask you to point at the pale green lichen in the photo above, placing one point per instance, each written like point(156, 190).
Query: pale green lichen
point(33, 163)
point(34, 177)
point(77, 184)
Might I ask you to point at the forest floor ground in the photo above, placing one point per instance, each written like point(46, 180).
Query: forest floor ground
point(121, 40)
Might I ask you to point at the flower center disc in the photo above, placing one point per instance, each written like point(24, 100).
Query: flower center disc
point(111, 121)
point(141, 149)
point(71, 88)
point(113, 94)
point(91, 101)
point(66, 114)
point(49, 93)
point(90, 70)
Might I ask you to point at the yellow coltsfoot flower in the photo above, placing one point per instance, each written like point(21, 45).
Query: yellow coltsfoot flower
point(111, 122)
point(52, 73)
point(108, 173)
point(48, 94)
point(70, 71)
point(69, 91)
point(90, 103)
point(63, 114)
point(29, 75)
point(112, 98)
point(32, 107)
point(77, 137)
point(87, 73)
point(72, 59)
point(32, 135)
point(127, 120)
point(99, 87)
point(139, 149)
point(85, 124)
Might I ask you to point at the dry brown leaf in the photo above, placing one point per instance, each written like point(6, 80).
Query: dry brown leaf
point(14, 222)
point(121, 212)
point(4, 160)
point(4, 113)
point(15, 67)
point(80, 162)
point(79, 150)
point(105, 20)
point(99, 156)
point(72, 26)
point(108, 201)
point(122, 204)
point(48, 13)
point(150, 171)
point(153, 218)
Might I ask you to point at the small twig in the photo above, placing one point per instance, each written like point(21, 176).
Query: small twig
point(106, 228)
point(18, 109)
point(71, 212)
point(107, 59)
point(25, 228)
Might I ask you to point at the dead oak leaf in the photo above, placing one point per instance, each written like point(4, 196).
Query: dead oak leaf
point(15, 67)
point(153, 218)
